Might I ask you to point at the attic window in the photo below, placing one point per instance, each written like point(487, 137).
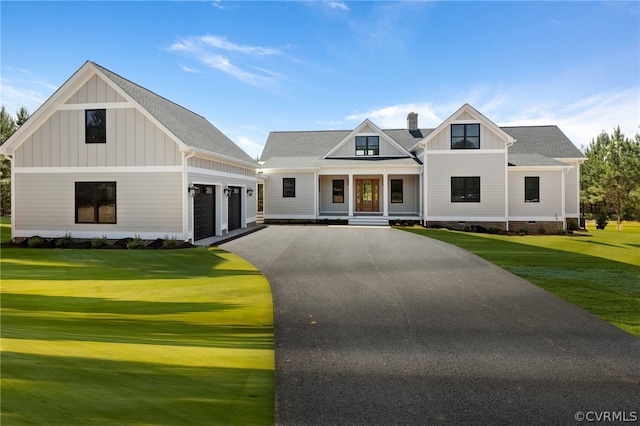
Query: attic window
point(367, 145)
point(465, 136)
point(96, 126)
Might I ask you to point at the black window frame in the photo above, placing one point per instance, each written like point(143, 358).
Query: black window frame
point(529, 189)
point(468, 182)
point(338, 191)
point(288, 187)
point(369, 145)
point(396, 190)
point(95, 131)
point(97, 199)
point(467, 136)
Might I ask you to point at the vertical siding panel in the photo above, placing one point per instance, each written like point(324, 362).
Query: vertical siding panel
point(45, 154)
point(73, 99)
point(81, 94)
point(101, 90)
point(111, 94)
point(111, 147)
point(74, 138)
point(36, 151)
point(149, 143)
point(64, 139)
point(83, 155)
point(54, 157)
point(139, 141)
point(172, 154)
point(160, 142)
point(19, 156)
point(92, 90)
point(120, 137)
point(131, 138)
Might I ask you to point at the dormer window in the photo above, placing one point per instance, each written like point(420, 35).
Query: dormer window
point(367, 145)
point(465, 136)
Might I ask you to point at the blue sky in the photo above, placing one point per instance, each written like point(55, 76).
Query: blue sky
point(254, 67)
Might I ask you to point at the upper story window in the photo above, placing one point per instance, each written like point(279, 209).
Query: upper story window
point(532, 189)
point(96, 126)
point(367, 145)
point(465, 136)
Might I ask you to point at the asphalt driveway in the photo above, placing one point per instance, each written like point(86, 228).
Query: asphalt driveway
point(380, 326)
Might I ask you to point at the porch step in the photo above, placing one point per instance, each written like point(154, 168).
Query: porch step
point(260, 217)
point(369, 221)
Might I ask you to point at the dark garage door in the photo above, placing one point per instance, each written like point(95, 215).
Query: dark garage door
point(235, 208)
point(204, 212)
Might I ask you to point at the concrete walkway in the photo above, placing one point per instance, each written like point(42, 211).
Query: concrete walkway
point(378, 326)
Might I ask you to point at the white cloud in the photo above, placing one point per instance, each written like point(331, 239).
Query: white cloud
point(252, 148)
point(338, 5)
point(219, 53)
point(18, 92)
point(580, 118)
point(395, 116)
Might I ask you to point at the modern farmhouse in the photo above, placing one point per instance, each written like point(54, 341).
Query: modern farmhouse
point(466, 172)
point(106, 157)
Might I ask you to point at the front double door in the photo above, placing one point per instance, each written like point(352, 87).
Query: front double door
point(367, 195)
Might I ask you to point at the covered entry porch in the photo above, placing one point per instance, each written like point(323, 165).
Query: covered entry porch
point(385, 196)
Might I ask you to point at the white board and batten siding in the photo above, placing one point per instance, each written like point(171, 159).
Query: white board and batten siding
point(550, 203)
point(302, 206)
point(489, 167)
point(46, 204)
point(132, 140)
point(488, 139)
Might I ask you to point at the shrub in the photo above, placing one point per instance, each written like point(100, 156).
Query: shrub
point(562, 232)
point(542, 231)
point(35, 242)
point(601, 219)
point(494, 230)
point(99, 242)
point(65, 241)
point(523, 231)
point(170, 241)
point(135, 243)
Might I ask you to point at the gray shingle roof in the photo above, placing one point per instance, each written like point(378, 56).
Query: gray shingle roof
point(534, 146)
point(532, 160)
point(191, 128)
point(544, 140)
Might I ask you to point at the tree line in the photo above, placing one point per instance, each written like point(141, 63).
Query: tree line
point(8, 125)
point(610, 178)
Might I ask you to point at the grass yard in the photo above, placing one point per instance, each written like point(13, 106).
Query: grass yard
point(599, 273)
point(133, 337)
point(5, 229)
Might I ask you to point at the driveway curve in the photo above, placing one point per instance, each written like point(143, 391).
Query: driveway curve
point(378, 326)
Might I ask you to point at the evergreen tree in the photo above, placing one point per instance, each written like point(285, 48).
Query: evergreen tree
point(610, 177)
point(7, 126)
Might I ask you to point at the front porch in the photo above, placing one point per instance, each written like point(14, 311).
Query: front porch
point(369, 197)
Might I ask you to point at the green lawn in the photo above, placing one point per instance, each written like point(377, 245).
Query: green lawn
point(170, 337)
point(5, 229)
point(599, 273)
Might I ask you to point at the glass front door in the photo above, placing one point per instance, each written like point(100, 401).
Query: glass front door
point(367, 195)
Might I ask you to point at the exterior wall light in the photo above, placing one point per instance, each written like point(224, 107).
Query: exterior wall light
point(227, 191)
point(249, 191)
point(193, 190)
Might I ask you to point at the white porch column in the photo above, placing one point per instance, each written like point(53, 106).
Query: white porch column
point(351, 194)
point(385, 195)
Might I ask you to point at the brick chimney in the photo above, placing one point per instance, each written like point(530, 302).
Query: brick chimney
point(412, 121)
